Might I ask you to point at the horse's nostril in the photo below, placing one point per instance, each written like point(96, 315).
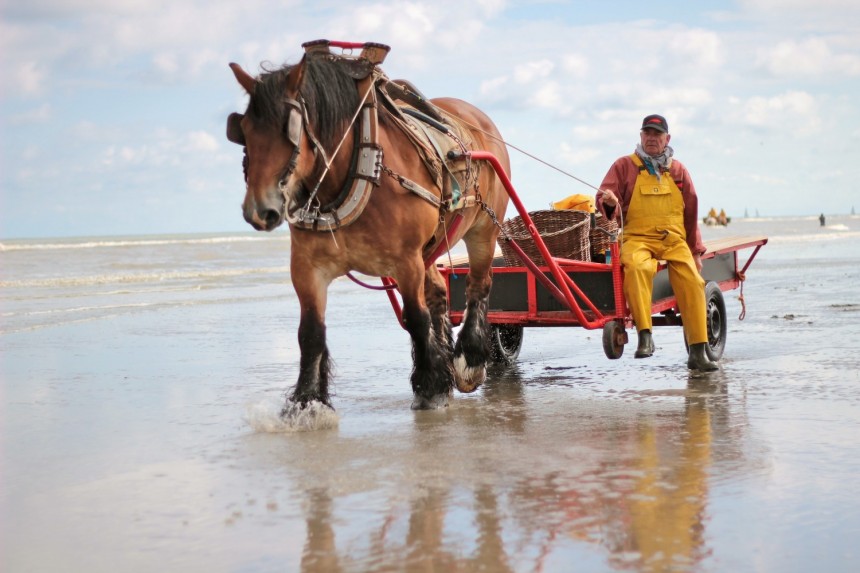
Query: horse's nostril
point(272, 218)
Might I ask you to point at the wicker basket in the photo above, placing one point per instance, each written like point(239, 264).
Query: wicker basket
point(564, 232)
point(599, 239)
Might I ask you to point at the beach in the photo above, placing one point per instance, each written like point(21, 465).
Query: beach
point(142, 376)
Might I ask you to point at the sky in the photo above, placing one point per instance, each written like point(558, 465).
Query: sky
point(113, 112)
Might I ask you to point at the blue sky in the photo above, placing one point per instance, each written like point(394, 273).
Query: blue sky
point(113, 111)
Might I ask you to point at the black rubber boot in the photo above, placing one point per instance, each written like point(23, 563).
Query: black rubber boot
point(698, 360)
point(646, 345)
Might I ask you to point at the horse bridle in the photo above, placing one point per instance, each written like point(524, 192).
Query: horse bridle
point(368, 171)
point(297, 120)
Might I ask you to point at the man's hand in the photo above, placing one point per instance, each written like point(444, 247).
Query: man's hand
point(609, 198)
point(698, 260)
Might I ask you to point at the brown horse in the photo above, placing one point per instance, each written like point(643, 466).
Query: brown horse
point(311, 150)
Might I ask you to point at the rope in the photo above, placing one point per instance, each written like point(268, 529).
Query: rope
point(527, 154)
point(742, 278)
point(371, 287)
point(551, 166)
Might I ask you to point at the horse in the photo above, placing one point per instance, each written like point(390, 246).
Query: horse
point(322, 135)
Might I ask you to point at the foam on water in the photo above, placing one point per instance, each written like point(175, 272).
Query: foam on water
point(136, 278)
point(265, 416)
point(34, 245)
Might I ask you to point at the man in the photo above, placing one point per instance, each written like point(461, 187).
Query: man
point(653, 198)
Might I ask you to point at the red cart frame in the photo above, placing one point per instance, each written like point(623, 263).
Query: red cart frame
point(567, 292)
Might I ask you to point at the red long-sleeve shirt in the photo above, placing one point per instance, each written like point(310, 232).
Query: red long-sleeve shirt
point(621, 179)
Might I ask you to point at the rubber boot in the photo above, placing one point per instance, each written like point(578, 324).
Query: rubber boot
point(646, 345)
point(698, 360)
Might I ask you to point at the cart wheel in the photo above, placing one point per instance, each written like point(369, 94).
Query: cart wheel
point(716, 323)
point(614, 339)
point(506, 340)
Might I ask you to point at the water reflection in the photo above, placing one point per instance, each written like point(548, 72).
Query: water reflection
point(320, 553)
point(627, 485)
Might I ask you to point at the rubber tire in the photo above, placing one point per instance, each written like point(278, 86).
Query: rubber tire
point(717, 323)
point(612, 332)
point(506, 341)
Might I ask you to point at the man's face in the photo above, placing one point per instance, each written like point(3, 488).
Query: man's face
point(654, 141)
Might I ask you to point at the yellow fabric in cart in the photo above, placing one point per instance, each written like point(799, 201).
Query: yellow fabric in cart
point(575, 202)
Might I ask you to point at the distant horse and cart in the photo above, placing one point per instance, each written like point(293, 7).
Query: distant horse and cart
point(374, 178)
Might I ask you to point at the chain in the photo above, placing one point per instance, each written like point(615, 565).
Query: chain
point(492, 214)
point(387, 170)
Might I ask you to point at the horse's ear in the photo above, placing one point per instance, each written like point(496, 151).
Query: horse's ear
point(295, 77)
point(244, 79)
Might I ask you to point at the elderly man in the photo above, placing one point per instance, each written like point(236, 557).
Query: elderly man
point(659, 217)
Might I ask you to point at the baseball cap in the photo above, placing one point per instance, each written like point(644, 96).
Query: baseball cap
point(657, 122)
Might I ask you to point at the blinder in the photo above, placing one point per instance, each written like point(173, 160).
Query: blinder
point(234, 128)
point(293, 128)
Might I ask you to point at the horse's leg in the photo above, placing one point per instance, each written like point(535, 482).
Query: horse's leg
point(436, 295)
point(315, 364)
point(472, 351)
point(432, 376)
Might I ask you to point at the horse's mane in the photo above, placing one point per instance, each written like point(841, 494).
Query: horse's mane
point(330, 97)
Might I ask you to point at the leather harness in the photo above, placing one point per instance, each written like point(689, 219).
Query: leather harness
point(433, 134)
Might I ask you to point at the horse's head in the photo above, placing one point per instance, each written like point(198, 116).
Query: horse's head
point(275, 128)
point(271, 132)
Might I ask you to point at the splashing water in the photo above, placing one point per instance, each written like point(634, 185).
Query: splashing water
point(271, 416)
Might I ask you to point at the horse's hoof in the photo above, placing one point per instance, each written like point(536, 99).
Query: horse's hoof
point(467, 379)
point(435, 403)
point(312, 415)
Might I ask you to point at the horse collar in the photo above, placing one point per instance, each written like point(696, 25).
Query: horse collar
point(364, 173)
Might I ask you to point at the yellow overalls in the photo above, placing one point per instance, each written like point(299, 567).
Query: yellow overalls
point(654, 230)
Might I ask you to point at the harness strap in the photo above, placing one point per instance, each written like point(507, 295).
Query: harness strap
point(414, 187)
point(642, 167)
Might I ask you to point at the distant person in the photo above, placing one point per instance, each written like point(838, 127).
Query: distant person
point(660, 221)
point(723, 218)
point(821, 219)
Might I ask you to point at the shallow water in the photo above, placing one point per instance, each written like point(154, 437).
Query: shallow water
point(140, 377)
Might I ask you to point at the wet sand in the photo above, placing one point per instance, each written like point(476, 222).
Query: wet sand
point(138, 443)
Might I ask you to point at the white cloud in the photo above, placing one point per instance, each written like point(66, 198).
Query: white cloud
point(39, 114)
point(799, 5)
point(166, 63)
point(27, 78)
point(547, 95)
point(491, 7)
point(766, 179)
point(493, 86)
point(201, 141)
point(697, 48)
point(795, 109)
point(578, 156)
point(811, 57)
point(530, 72)
point(575, 65)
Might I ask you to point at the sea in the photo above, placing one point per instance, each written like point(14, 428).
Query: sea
point(45, 283)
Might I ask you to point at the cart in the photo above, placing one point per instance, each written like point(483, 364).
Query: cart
point(565, 292)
